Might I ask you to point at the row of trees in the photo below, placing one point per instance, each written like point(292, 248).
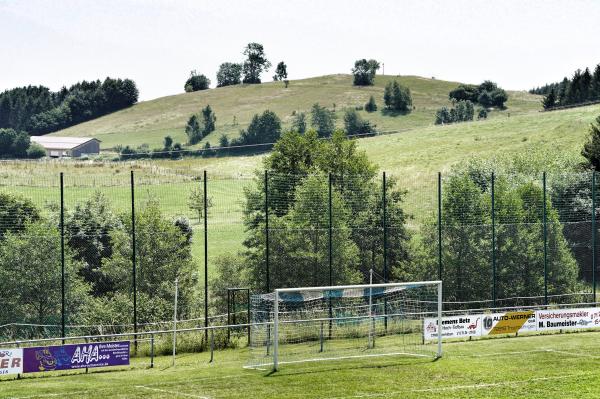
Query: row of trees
point(37, 110)
point(582, 87)
point(461, 111)
point(487, 94)
point(231, 73)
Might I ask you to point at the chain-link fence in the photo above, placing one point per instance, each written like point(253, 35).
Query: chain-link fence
point(87, 253)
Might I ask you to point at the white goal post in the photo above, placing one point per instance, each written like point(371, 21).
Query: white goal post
point(293, 325)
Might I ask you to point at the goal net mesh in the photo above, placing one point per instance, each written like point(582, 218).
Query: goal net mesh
point(322, 324)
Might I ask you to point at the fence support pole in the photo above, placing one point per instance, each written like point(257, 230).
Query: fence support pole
point(439, 225)
point(134, 262)
point(330, 211)
point(205, 258)
point(385, 248)
point(384, 223)
point(267, 230)
point(330, 253)
point(228, 314)
point(493, 240)
point(545, 242)
point(248, 310)
point(62, 255)
point(594, 235)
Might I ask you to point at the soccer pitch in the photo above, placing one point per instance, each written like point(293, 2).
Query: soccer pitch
point(542, 366)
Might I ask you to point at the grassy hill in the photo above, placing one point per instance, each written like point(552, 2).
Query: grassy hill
point(150, 121)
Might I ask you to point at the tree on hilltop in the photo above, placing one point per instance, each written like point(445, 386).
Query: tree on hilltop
point(255, 64)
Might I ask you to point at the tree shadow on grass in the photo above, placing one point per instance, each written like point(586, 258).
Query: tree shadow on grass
point(393, 112)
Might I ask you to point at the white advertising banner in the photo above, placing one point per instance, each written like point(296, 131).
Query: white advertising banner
point(512, 322)
point(454, 327)
point(566, 319)
point(11, 361)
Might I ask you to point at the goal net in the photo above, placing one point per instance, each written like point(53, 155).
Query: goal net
point(294, 325)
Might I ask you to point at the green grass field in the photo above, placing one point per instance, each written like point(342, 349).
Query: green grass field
point(150, 121)
point(545, 366)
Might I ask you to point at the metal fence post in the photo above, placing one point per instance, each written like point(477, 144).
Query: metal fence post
point(330, 211)
point(268, 281)
point(384, 223)
point(133, 261)
point(205, 258)
point(385, 248)
point(330, 254)
point(594, 235)
point(228, 314)
point(439, 225)
point(62, 255)
point(493, 240)
point(545, 242)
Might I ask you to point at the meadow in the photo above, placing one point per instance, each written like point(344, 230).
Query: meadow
point(150, 121)
point(543, 366)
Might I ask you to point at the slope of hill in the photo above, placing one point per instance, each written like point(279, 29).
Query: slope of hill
point(424, 151)
point(149, 121)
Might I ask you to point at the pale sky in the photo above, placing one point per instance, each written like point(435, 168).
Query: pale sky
point(519, 44)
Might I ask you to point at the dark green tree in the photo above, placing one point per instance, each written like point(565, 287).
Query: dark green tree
point(371, 105)
point(31, 277)
point(89, 227)
point(354, 124)
point(465, 92)
point(280, 72)
point(364, 72)
point(223, 141)
point(209, 120)
point(485, 99)
point(591, 148)
point(264, 128)
point(16, 213)
point(549, 101)
point(196, 82)
point(299, 123)
point(585, 85)
point(397, 98)
point(322, 120)
point(229, 74)
point(163, 254)
point(194, 129)
point(256, 63)
point(596, 84)
point(167, 142)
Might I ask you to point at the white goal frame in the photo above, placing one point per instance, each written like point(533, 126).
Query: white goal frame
point(276, 293)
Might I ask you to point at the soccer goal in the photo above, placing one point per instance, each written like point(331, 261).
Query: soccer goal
point(293, 325)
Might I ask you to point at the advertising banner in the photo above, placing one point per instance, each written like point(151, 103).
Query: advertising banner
point(70, 357)
point(566, 319)
point(508, 323)
point(11, 361)
point(512, 322)
point(454, 327)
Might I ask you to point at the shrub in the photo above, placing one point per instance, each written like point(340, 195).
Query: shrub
point(36, 151)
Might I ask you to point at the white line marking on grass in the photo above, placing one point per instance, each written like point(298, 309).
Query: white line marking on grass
point(188, 395)
point(461, 387)
point(502, 353)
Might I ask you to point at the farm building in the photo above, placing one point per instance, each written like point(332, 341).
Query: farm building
point(67, 146)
